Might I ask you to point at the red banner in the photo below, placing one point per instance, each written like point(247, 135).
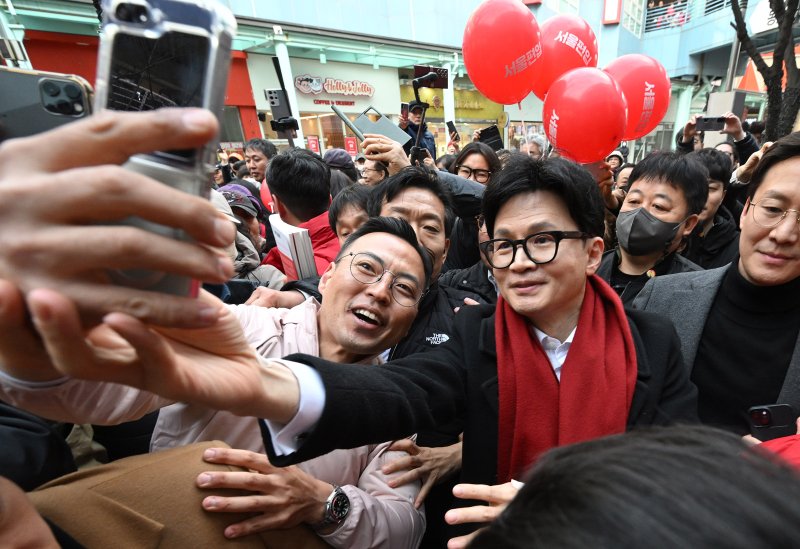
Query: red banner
point(351, 145)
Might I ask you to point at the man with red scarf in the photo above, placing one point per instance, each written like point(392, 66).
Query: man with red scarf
point(557, 361)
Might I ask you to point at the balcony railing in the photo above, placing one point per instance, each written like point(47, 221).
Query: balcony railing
point(665, 14)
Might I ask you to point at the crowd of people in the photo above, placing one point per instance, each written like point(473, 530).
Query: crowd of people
point(500, 348)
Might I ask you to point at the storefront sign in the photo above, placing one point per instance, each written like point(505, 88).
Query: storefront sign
point(351, 145)
point(337, 102)
point(313, 143)
point(305, 83)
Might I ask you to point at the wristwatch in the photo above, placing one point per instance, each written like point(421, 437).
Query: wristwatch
point(336, 508)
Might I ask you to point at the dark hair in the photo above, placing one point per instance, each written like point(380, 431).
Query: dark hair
point(482, 149)
point(381, 167)
point(717, 163)
point(397, 227)
point(264, 146)
point(354, 195)
point(351, 172)
point(757, 127)
point(240, 169)
point(339, 182)
point(681, 171)
point(674, 487)
point(413, 176)
point(446, 161)
point(301, 181)
point(734, 152)
point(783, 149)
point(572, 183)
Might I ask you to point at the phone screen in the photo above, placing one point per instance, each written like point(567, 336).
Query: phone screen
point(150, 73)
point(404, 110)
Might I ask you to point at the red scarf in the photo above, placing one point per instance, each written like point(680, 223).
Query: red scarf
point(597, 381)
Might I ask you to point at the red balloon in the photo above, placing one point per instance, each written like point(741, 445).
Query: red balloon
point(585, 114)
point(568, 42)
point(501, 46)
point(646, 87)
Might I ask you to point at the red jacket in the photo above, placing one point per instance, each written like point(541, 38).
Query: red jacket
point(323, 240)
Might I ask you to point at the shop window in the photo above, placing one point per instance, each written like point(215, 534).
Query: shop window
point(633, 15)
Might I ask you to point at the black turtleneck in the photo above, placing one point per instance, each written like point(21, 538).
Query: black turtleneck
point(745, 349)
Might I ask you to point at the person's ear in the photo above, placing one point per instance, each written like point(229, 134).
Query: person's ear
point(326, 276)
point(280, 209)
point(690, 224)
point(745, 209)
point(594, 249)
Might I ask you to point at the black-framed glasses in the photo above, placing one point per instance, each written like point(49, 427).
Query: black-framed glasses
point(539, 247)
point(369, 269)
point(770, 215)
point(481, 176)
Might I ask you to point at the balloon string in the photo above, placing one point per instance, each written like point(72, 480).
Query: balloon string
point(522, 119)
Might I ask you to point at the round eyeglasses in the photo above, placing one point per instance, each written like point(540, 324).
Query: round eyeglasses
point(768, 214)
point(539, 247)
point(481, 176)
point(369, 269)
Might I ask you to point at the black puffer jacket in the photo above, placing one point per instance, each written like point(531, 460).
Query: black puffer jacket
point(719, 246)
point(473, 279)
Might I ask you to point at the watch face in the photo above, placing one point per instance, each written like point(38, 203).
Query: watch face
point(340, 506)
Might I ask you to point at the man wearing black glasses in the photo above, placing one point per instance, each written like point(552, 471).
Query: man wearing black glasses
point(557, 360)
point(739, 325)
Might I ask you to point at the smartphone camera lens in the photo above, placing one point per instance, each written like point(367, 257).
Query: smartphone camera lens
point(72, 91)
point(50, 88)
point(761, 417)
point(132, 13)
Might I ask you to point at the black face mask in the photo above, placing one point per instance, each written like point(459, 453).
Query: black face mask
point(641, 233)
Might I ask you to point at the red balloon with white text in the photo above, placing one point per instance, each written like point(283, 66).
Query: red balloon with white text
point(568, 42)
point(646, 87)
point(585, 114)
point(501, 47)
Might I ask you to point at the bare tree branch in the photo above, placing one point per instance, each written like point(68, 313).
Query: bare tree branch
point(744, 39)
point(784, 15)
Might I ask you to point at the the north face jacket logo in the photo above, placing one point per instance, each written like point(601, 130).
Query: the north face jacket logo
point(437, 339)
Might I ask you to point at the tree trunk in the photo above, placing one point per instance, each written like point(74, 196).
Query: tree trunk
point(774, 103)
point(791, 106)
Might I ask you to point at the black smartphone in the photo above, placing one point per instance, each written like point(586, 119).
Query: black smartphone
point(451, 127)
point(37, 101)
point(404, 110)
point(165, 53)
point(772, 421)
point(710, 123)
point(491, 136)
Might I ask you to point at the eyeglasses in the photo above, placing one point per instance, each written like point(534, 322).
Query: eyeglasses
point(481, 176)
point(539, 247)
point(769, 215)
point(368, 269)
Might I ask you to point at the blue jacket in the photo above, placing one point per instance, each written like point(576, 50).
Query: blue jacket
point(426, 140)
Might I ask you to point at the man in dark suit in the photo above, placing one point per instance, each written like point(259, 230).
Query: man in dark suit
point(557, 361)
point(739, 325)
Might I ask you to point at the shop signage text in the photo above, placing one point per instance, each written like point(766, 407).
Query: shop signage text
point(308, 84)
point(337, 102)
